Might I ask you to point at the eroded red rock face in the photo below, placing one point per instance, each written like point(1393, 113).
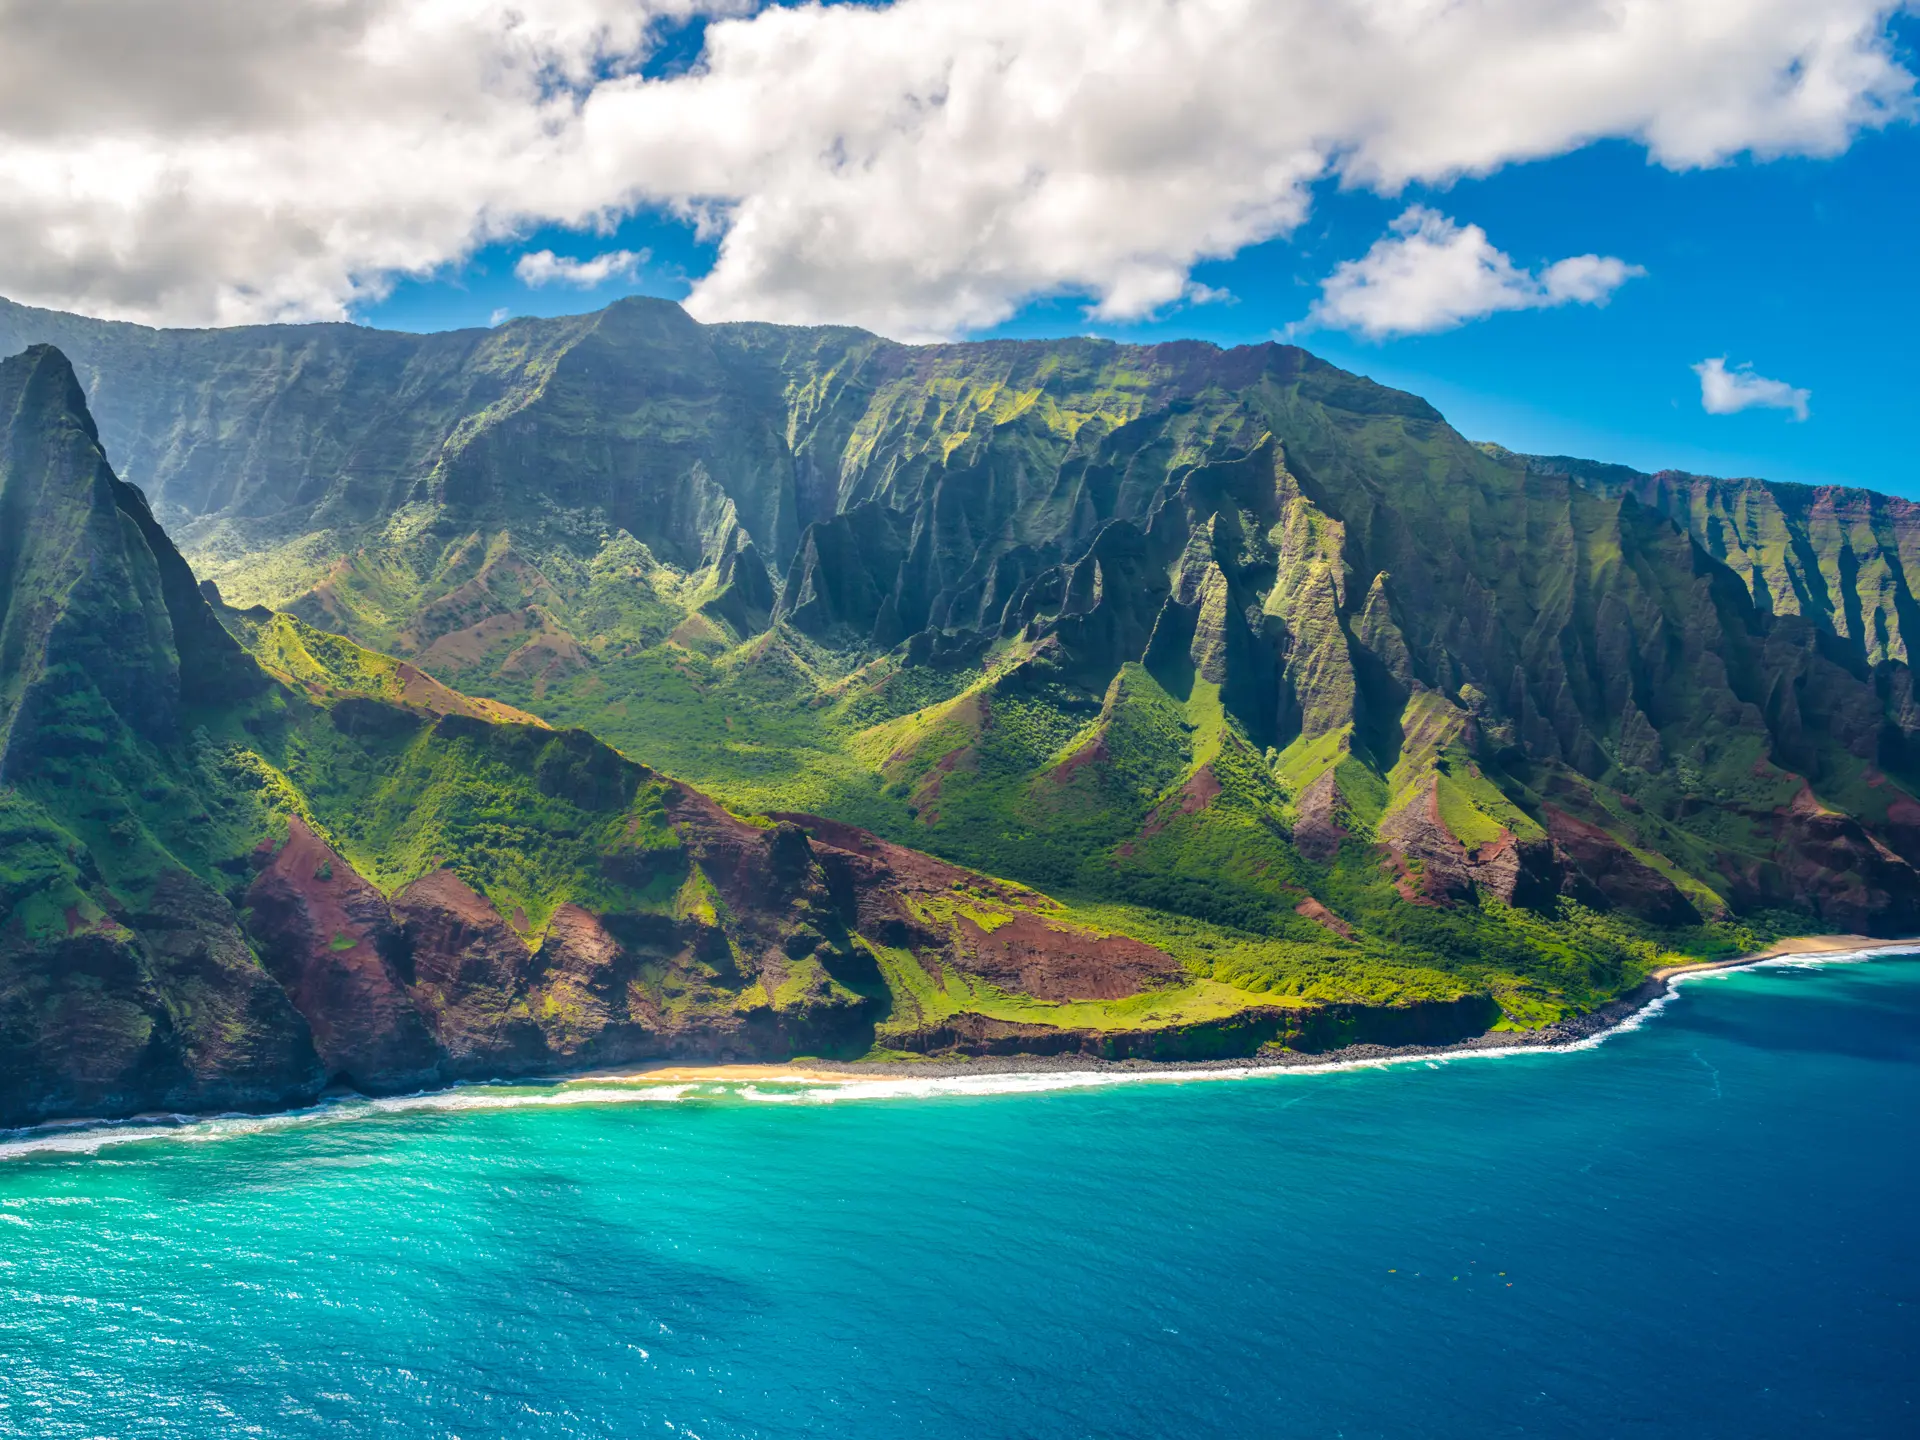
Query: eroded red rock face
point(468, 973)
point(584, 1002)
point(436, 984)
point(321, 928)
point(1199, 790)
point(875, 884)
point(1614, 875)
point(1836, 869)
point(872, 882)
point(1058, 962)
point(1903, 828)
point(1312, 909)
point(1317, 831)
point(1432, 865)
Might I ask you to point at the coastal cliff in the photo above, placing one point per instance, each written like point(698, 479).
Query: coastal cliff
point(1249, 712)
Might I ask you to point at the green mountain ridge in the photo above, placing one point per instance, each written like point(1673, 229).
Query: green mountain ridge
point(1247, 659)
point(242, 859)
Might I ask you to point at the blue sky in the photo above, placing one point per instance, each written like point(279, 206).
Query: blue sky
point(1236, 170)
point(1803, 268)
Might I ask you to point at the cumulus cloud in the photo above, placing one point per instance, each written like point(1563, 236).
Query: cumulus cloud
point(921, 167)
point(209, 162)
point(1727, 392)
point(543, 267)
point(1431, 274)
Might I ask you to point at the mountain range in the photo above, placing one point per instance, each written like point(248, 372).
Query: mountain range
point(588, 690)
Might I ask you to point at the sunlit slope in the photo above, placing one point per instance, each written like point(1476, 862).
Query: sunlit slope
point(1226, 639)
point(242, 858)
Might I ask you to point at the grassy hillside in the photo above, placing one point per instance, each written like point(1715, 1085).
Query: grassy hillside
point(242, 857)
point(1226, 654)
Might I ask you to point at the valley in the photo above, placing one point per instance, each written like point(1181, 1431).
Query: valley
point(586, 691)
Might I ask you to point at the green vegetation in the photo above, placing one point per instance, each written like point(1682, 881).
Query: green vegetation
point(530, 818)
point(1228, 653)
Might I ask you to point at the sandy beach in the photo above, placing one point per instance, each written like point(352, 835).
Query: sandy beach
point(1810, 945)
point(673, 1072)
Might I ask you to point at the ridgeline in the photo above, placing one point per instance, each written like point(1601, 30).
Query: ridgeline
point(588, 690)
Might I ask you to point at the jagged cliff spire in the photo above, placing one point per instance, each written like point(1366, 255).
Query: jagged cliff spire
point(101, 622)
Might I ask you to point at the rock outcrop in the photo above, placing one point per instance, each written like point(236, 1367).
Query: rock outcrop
point(125, 980)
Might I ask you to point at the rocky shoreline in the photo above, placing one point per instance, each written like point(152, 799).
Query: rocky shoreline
point(1560, 1036)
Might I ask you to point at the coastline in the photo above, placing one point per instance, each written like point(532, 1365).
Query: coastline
point(1792, 947)
point(1581, 1030)
point(668, 1079)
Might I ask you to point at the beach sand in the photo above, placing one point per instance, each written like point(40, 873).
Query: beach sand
point(1811, 945)
point(673, 1072)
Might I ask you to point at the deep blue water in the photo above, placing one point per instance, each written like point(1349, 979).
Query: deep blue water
point(1704, 1227)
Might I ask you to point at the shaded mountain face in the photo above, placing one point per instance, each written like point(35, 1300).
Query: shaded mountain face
point(1251, 659)
point(1836, 556)
point(124, 978)
point(242, 859)
point(744, 551)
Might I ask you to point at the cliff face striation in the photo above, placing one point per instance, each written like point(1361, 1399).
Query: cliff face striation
point(125, 980)
point(1286, 694)
point(242, 859)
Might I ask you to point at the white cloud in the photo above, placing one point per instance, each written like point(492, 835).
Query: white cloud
point(543, 267)
point(1431, 274)
point(920, 167)
point(1727, 392)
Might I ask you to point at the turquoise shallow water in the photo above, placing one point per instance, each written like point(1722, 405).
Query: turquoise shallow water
point(1703, 1227)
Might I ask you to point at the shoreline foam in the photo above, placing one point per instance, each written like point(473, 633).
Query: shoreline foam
point(1617, 1016)
point(669, 1081)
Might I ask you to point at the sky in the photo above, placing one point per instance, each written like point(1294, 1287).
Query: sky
point(1661, 232)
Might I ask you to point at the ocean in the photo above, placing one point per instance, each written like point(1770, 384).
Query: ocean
point(1706, 1225)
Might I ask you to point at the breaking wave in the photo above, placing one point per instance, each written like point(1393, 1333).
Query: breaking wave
point(90, 1137)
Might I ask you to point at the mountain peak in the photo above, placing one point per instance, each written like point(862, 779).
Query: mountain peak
point(42, 378)
point(101, 624)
